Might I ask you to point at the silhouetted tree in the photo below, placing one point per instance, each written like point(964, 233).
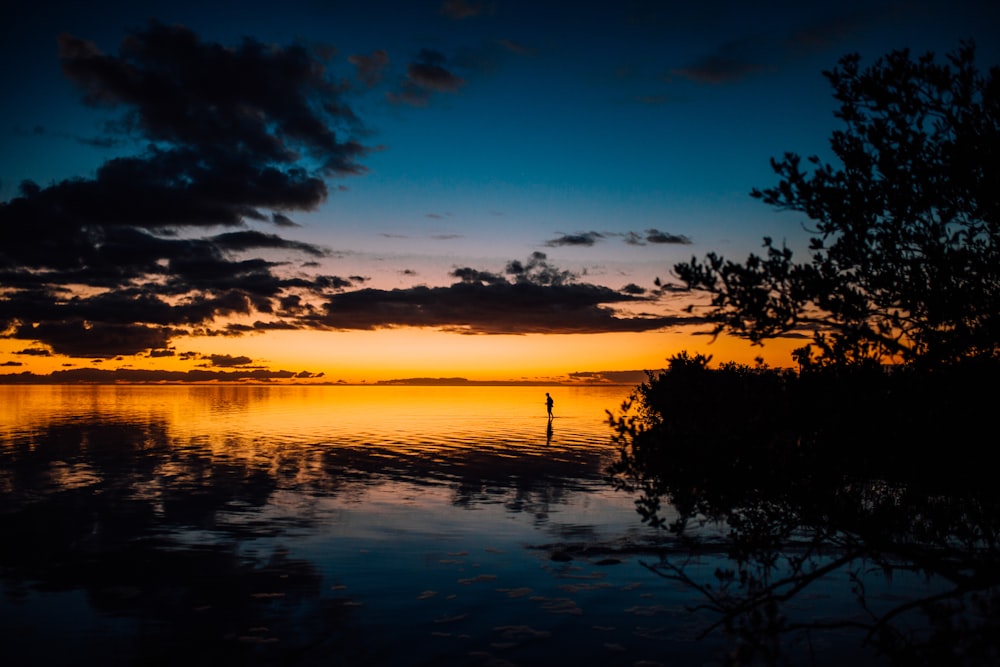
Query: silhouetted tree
point(904, 258)
point(844, 477)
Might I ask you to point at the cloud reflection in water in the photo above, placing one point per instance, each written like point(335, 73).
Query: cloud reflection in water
point(261, 523)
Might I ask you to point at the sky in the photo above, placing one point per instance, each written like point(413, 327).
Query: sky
point(326, 191)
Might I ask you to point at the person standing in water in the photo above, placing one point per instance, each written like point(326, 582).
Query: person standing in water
point(548, 404)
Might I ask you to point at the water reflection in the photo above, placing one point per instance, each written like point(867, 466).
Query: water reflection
point(812, 562)
point(158, 525)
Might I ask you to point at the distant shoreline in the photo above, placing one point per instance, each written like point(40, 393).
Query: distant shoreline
point(7, 381)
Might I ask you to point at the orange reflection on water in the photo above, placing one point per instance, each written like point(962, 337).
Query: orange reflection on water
point(388, 447)
point(252, 418)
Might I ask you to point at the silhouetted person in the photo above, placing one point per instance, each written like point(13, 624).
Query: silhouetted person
point(548, 404)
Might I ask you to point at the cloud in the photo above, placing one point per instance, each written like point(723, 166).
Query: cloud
point(265, 103)
point(252, 240)
point(475, 276)
point(232, 135)
point(102, 376)
point(282, 220)
point(426, 75)
point(588, 239)
point(740, 59)
point(537, 270)
point(463, 9)
point(228, 361)
point(824, 34)
point(495, 308)
point(657, 237)
point(719, 68)
point(104, 340)
point(529, 297)
point(610, 377)
point(578, 239)
point(371, 67)
point(99, 142)
point(429, 73)
point(35, 351)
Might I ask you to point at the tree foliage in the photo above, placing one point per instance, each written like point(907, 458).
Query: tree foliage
point(843, 477)
point(904, 254)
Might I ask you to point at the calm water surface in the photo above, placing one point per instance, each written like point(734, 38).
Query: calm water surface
point(328, 525)
point(322, 525)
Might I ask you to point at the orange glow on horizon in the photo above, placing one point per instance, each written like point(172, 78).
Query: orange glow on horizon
point(391, 354)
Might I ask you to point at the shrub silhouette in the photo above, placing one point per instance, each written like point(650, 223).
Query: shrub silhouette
point(904, 260)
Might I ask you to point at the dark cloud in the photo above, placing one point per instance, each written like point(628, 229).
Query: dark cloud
point(232, 134)
point(475, 276)
point(426, 75)
point(35, 351)
point(530, 297)
point(537, 270)
point(251, 240)
point(719, 68)
point(282, 220)
point(371, 67)
point(825, 34)
point(100, 142)
point(578, 239)
point(104, 340)
point(227, 360)
point(495, 308)
point(429, 73)
point(463, 9)
point(102, 376)
point(631, 378)
point(657, 237)
point(588, 239)
point(264, 102)
point(740, 59)
point(11, 363)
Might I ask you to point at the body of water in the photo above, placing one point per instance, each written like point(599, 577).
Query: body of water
point(307, 525)
point(329, 525)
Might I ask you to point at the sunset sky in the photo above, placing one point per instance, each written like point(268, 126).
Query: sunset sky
point(327, 191)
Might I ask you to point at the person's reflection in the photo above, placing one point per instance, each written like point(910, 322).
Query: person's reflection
point(548, 433)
